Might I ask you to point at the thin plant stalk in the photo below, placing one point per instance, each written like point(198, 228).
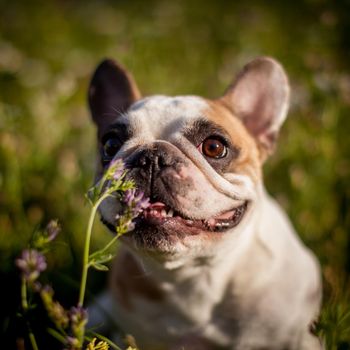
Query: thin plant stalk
point(25, 307)
point(33, 340)
point(24, 295)
point(87, 249)
point(108, 245)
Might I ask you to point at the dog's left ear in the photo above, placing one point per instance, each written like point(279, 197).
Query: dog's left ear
point(260, 98)
point(112, 90)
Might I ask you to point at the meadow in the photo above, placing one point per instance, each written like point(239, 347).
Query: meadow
point(48, 51)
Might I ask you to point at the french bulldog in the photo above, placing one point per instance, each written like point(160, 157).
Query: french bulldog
point(213, 262)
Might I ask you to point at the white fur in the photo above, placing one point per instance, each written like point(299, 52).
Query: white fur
point(272, 273)
point(152, 120)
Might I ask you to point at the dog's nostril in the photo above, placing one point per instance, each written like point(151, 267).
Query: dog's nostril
point(156, 159)
point(161, 162)
point(144, 161)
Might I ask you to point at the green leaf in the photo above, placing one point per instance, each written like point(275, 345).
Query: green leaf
point(99, 267)
point(101, 257)
point(60, 337)
point(92, 195)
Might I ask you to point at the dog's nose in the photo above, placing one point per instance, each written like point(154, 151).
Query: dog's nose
point(151, 165)
point(152, 159)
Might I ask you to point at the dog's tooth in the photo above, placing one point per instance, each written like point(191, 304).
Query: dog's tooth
point(171, 213)
point(163, 212)
point(210, 222)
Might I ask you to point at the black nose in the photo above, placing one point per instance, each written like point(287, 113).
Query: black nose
point(152, 160)
point(153, 167)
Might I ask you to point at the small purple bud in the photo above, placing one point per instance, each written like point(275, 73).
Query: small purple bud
point(72, 343)
point(78, 319)
point(138, 196)
point(117, 174)
point(117, 163)
point(55, 310)
point(130, 226)
point(136, 200)
point(31, 263)
point(116, 168)
point(143, 203)
point(78, 315)
point(52, 229)
point(129, 197)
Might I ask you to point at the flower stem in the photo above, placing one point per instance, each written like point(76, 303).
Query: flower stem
point(24, 295)
point(25, 307)
point(86, 256)
point(33, 341)
point(87, 248)
point(108, 245)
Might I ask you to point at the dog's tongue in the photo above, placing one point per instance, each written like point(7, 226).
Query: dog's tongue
point(227, 215)
point(156, 205)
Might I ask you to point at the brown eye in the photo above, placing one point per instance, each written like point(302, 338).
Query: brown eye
point(111, 147)
point(213, 148)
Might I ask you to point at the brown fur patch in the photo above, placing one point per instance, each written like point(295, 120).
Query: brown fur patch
point(249, 160)
point(129, 280)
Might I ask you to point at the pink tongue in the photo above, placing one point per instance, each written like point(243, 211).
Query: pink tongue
point(226, 215)
point(156, 205)
point(212, 221)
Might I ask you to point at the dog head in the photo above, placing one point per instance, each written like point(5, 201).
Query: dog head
point(198, 160)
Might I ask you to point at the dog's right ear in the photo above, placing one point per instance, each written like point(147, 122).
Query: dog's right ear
point(112, 90)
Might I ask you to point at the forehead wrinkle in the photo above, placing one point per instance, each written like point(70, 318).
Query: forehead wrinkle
point(161, 116)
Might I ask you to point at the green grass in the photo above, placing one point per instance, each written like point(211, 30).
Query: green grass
point(48, 50)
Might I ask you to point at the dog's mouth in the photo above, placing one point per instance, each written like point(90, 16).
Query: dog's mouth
point(159, 213)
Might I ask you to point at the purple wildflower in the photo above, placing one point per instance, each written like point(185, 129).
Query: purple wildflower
point(129, 225)
point(72, 343)
point(54, 309)
point(31, 263)
point(52, 229)
point(125, 221)
point(78, 317)
point(116, 168)
point(78, 314)
point(136, 201)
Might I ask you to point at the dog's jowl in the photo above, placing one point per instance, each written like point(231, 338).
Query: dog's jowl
point(213, 262)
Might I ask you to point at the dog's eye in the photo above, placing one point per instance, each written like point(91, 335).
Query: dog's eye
point(213, 147)
point(111, 147)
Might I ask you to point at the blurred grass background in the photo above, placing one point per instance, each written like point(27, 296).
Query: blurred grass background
point(48, 51)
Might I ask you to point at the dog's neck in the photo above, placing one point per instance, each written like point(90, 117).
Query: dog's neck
point(194, 285)
point(225, 255)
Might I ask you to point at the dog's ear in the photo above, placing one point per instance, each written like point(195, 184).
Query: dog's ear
point(260, 98)
point(112, 90)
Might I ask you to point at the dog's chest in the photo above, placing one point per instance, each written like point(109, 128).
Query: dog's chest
point(170, 310)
